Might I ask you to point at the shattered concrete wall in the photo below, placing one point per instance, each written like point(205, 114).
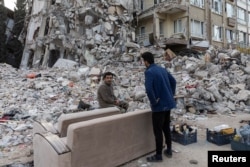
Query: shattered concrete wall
point(78, 30)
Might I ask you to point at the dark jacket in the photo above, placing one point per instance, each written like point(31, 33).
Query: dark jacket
point(105, 96)
point(160, 88)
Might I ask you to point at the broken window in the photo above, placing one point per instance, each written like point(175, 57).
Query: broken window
point(230, 36)
point(241, 14)
point(217, 33)
point(197, 28)
point(230, 10)
point(217, 6)
point(199, 3)
point(177, 26)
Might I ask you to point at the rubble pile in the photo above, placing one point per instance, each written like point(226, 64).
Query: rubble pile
point(218, 81)
point(221, 84)
point(83, 31)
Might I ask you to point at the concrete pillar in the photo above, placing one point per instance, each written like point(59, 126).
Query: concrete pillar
point(46, 56)
point(156, 25)
point(25, 58)
point(39, 51)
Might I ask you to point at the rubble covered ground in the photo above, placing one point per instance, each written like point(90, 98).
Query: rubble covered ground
point(70, 44)
point(215, 82)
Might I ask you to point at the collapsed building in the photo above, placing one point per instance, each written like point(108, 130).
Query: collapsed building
point(86, 31)
point(78, 30)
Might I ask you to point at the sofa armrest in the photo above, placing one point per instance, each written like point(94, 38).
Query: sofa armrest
point(43, 127)
point(50, 151)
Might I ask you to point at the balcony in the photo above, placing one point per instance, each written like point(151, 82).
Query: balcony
point(231, 21)
point(165, 7)
point(168, 8)
point(174, 39)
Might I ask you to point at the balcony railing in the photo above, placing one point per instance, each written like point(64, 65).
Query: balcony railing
point(231, 21)
point(161, 4)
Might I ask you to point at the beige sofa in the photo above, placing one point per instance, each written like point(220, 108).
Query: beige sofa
point(107, 142)
point(66, 119)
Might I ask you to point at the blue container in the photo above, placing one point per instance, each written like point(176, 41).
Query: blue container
point(218, 138)
point(238, 146)
point(184, 138)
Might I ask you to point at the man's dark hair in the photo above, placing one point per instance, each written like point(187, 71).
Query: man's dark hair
point(148, 56)
point(107, 73)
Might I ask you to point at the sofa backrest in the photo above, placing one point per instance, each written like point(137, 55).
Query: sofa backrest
point(112, 140)
point(66, 119)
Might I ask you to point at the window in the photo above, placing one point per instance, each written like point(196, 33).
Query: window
point(161, 28)
point(217, 6)
point(142, 31)
point(177, 26)
point(241, 14)
point(141, 4)
point(230, 36)
point(199, 3)
point(230, 10)
point(242, 37)
point(217, 33)
point(142, 34)
point(157, 1)
point(197, 28)
point(248, 17)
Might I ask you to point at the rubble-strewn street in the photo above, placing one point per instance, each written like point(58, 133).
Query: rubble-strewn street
point(69, 44)
point(215, 82)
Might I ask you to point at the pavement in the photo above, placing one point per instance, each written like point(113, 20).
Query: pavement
point(188, 155)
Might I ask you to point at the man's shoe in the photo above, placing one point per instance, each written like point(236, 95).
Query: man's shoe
point(168, 153)
point(154, 158)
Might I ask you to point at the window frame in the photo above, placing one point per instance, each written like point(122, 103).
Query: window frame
point(230, 12)
point(201, 28)
point(198, 3)
point(219, 6)
point(178, 26)
point(217, 33)
point(231, 34)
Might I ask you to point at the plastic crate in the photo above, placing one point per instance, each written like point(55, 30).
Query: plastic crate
point(218, 138)
point(238, 146)
point(185, 139)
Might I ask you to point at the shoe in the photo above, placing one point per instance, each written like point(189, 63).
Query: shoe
point(168, 153)
point(154, 158)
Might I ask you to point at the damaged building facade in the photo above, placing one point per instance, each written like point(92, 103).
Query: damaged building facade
point(84, 31)
point(195, 23)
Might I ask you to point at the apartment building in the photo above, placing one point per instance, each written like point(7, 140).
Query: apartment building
point(178, 24)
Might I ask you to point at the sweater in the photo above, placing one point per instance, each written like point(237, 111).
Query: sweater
point(160, 87)
point(105, 96)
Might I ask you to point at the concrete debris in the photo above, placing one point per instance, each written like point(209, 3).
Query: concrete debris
point(81, 31)
point(202, 87)
point(81, 40)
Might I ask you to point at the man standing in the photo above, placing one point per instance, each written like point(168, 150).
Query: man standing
point(106, 96)
point(160, 88)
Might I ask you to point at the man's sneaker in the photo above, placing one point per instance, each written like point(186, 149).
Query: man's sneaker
point(154, 158)
point(168, 153)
